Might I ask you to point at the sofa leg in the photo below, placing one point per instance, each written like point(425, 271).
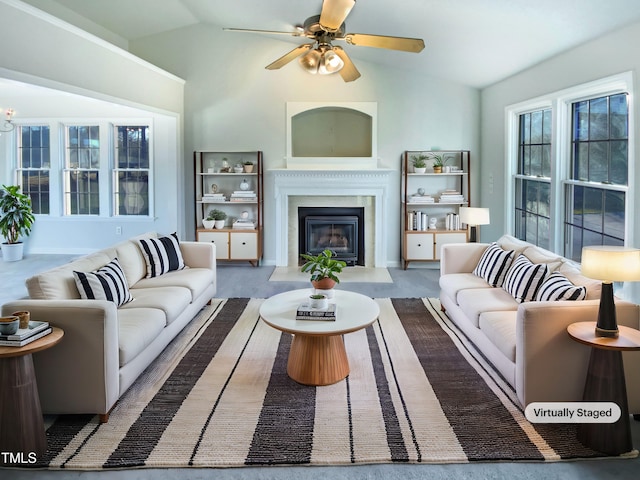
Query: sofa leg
point(104, 417)
point(442, 309)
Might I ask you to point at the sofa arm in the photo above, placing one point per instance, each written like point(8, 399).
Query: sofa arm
point(199, 254)
point(460, 257)
point(550, 366)
point(81, 373)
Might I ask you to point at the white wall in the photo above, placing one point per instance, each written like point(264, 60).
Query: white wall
point(233, 103)
point(611, 54)
point(85, 77)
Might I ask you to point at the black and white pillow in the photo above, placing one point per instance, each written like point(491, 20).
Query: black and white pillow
point(524, 278)
point(559, 287)
point(493, 264)
point(107, 283)
point(162, 254)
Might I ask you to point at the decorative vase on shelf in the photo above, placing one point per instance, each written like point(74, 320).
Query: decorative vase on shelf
point(419, 169)
point(219, 224)
point(248, 167)
point(208, 224)
point(437, 169)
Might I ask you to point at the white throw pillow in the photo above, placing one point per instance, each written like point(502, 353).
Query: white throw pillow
point(162, 254)
point(558, 287)
point(494, 264)
point(107, 283)
point(524, 278)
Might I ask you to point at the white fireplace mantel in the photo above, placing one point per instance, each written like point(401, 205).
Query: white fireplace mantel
point(321, 183)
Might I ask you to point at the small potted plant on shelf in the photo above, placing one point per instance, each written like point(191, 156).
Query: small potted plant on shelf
point(215, 219)
point(439, 160)
point(16, 219)
point(323, 268)
point(248, 167)
point(419, 163)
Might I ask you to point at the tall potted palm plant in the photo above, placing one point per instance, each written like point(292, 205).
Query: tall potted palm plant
point(16, 220)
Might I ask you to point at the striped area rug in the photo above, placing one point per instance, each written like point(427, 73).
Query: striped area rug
point(219, 396)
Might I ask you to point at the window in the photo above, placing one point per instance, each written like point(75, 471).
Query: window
point(595, 197)
point(34, 164)
point(533, 178)
point(82, 170)
point(569, 167)
point(131, 172)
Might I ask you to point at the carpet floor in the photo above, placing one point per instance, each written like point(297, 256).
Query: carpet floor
point(220, 397)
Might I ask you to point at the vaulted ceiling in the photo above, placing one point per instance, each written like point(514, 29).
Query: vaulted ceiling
point(472, 42)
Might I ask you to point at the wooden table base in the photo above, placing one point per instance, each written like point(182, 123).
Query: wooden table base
point(605, 383)
point(317, 360)
point(21, 426)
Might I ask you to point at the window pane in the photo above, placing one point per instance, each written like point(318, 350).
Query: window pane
point(581, 121)
point(614, 214)
point(33, 165)
point(132, 146)
point(35, 183)
point(593, 209)
point(536, 127)
point(598, 162)
point(133, 193)
point(546, 130)
point(599, 118)
point(84, 147)
point(82, 196)
point(619, 162)
point(619, 116)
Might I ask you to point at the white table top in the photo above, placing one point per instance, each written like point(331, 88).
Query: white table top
point(353, 312)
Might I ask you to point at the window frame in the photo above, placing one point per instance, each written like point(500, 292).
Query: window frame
point(19, 169)
point(560, 103)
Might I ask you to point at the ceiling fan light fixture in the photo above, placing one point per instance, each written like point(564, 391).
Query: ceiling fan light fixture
point(334, 12)
point(321, 60)
point(311, 61)
point(330, 63)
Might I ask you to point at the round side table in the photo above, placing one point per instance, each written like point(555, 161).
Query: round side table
point(605, 383)
point(21, 425)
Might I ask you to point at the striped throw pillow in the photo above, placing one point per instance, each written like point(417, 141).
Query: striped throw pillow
point(107, 283)
point(162, 254)
point(524, 278)
point(559, 287)
point(493, 264)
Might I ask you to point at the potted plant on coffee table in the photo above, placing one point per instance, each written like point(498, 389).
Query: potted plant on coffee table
point(16, 220)
point(324, 269)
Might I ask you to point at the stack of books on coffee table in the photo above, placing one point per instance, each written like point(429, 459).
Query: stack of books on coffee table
point(24, 336)
point(306, 312)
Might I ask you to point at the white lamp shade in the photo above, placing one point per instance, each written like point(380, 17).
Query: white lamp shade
point(611, 263)
point(474, 215)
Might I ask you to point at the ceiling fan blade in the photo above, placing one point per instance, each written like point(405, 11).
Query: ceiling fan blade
point(296, 52)
point(271, 32)
point(414, 45)
point(349, 72)
point(334, 12)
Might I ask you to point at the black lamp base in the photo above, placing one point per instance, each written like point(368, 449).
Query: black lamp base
point(473, 233)
point(607, 325)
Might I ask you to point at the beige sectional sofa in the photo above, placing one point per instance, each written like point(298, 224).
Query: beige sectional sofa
point(106, 347)
point(527, 342)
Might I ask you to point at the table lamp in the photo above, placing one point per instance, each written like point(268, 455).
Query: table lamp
point(610, 264)
point(474, 216)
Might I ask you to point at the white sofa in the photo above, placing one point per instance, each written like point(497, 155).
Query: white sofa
point(528, 342)
point(105, 348)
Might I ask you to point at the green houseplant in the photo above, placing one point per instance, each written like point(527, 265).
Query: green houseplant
point(419, 163)
point(323, 268)
point(439, 161)
point(217, 217)
point(16, 220)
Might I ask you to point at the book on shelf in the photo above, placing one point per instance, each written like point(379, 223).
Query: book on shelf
point(307, 312)
point(244, 224)
point(27, 340)
point(244, 193)
point(417, 221)
point(417, 198)
point(22, 333)
point(452, 222)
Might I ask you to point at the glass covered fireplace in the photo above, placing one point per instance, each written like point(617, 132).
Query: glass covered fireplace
point(340, 229)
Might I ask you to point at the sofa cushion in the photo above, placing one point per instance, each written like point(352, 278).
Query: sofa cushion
point(171, 300)
point(162, 254)
point(59, 283)
point(475, 301)
point(137, 328)
point(494, 264)
point(107, 283)
point(500, 329)
point(524, 278)
point(558, 287)
point(453, 283)
point(540, 255)
point(132, 261)
point(195, 279)
point(572, 271)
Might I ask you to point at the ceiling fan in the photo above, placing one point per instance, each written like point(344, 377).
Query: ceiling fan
point(320, 56)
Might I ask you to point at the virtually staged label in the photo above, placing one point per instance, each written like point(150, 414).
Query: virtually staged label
point(572, 412)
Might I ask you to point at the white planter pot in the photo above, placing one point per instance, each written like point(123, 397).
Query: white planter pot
point(219, 224)
point(320, 303)
point(419, 170)
point(208, 224)
point(12, 252)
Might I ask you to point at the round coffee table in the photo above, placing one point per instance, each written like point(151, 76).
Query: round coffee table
point(317, 356)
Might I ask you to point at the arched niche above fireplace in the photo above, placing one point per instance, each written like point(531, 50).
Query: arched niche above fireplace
point(332, 135)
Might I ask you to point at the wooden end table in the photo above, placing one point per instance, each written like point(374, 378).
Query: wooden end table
point(317, 356)
point(605, 383)
point(21, 426)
